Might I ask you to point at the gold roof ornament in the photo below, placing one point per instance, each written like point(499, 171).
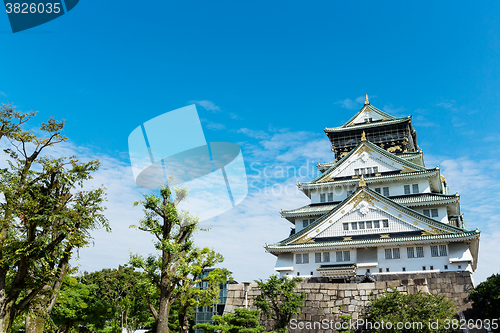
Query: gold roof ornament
point(362, 182)
point(367, 102)
point(363, 136)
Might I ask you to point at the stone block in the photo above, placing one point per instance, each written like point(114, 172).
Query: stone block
point(355, 293)
point(380, 285)
point(338, 302)
point(318, 297)
point(351, 308)
point(364, 298)
point(341, 293)
point(458, 289)
point(326, 310)
point(346, 301)
point(348, 293)
point(393, 284)
point(362, 292)
point(365, 286)
point(332, 292)
point(323, 304)
point(402, 288)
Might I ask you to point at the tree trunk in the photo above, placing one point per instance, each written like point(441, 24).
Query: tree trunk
point(162, 324)
point(183, 319)
point(6, 316)
point(34, 323)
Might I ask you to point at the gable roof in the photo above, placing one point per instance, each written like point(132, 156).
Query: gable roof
point(434, 225)
point(422, 199)
point(368, 108)
point(374, 147)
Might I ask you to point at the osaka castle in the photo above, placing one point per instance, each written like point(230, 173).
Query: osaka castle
point(376, 209)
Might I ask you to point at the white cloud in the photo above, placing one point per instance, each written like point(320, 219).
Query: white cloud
point(208, 105)
point(212, 125)
point(352, 104)
point(478, 183)
point(3, 94)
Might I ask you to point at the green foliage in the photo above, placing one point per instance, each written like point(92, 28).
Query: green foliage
point(241, 321)
point(104, 301)
point(279, 300)
point(486, 297)
point(175, 269)
point(395, 307)
point(44, 215)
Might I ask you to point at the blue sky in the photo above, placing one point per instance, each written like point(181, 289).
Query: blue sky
point(271, 76)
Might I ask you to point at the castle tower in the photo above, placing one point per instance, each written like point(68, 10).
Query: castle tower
point(376, 209)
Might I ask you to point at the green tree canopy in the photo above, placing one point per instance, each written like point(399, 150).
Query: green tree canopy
point(486, 297)
point(395, 307)
point(279, 300)
point(174, 270)
point(44, 214)
point(241, 321)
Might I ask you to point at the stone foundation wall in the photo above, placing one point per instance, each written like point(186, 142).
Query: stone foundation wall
point(326, 300)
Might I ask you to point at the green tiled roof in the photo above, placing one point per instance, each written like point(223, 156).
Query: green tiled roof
point(365, 125)
point(321, 209)
point(373, 109)
point(374, 147)
point(380, 197)
point(466, 233)
point(368, 179)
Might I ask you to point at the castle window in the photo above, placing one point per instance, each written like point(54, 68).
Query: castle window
point(423, 268)
point(305, 258)
point(368, 224)
point(368, 270)
point(420, 252)
point(322, 197)
point(376, 224)
point(427, 213)
point(305, 223)
point(415, 188)
point(298, 258)
point(442, 251)
point(380, 270)
point(404, 269)
point(410, 252)
point(312, 274)
point(330, 197)
point(387, 269)
point(354, 226)
point(434, 251)
point(368, 171)
point(386, 223)
point(386, 191)
point(407, 189)
point(326, 256)
point(298, 273)
point(317, 257)
point(377, 189)
point(392, 253)
point(356, 172)
point(375, 169)
point(445, 266)
point(361, 225)
point(343, 256)
point(431, 268)
point(459, 266)
point(434, 212)
point(346, 226)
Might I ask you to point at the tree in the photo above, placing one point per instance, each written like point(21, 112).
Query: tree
point(241, 321)
point(171, 271)
point(113, 300)
point(416, 310)
point(279, 300)
point(193, 296)
point(43, 217)
point(486, 297)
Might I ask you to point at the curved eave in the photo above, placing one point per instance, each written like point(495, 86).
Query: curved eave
point(307, 187)
point(466, 236)
point(365, 125)
point(435, 199)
